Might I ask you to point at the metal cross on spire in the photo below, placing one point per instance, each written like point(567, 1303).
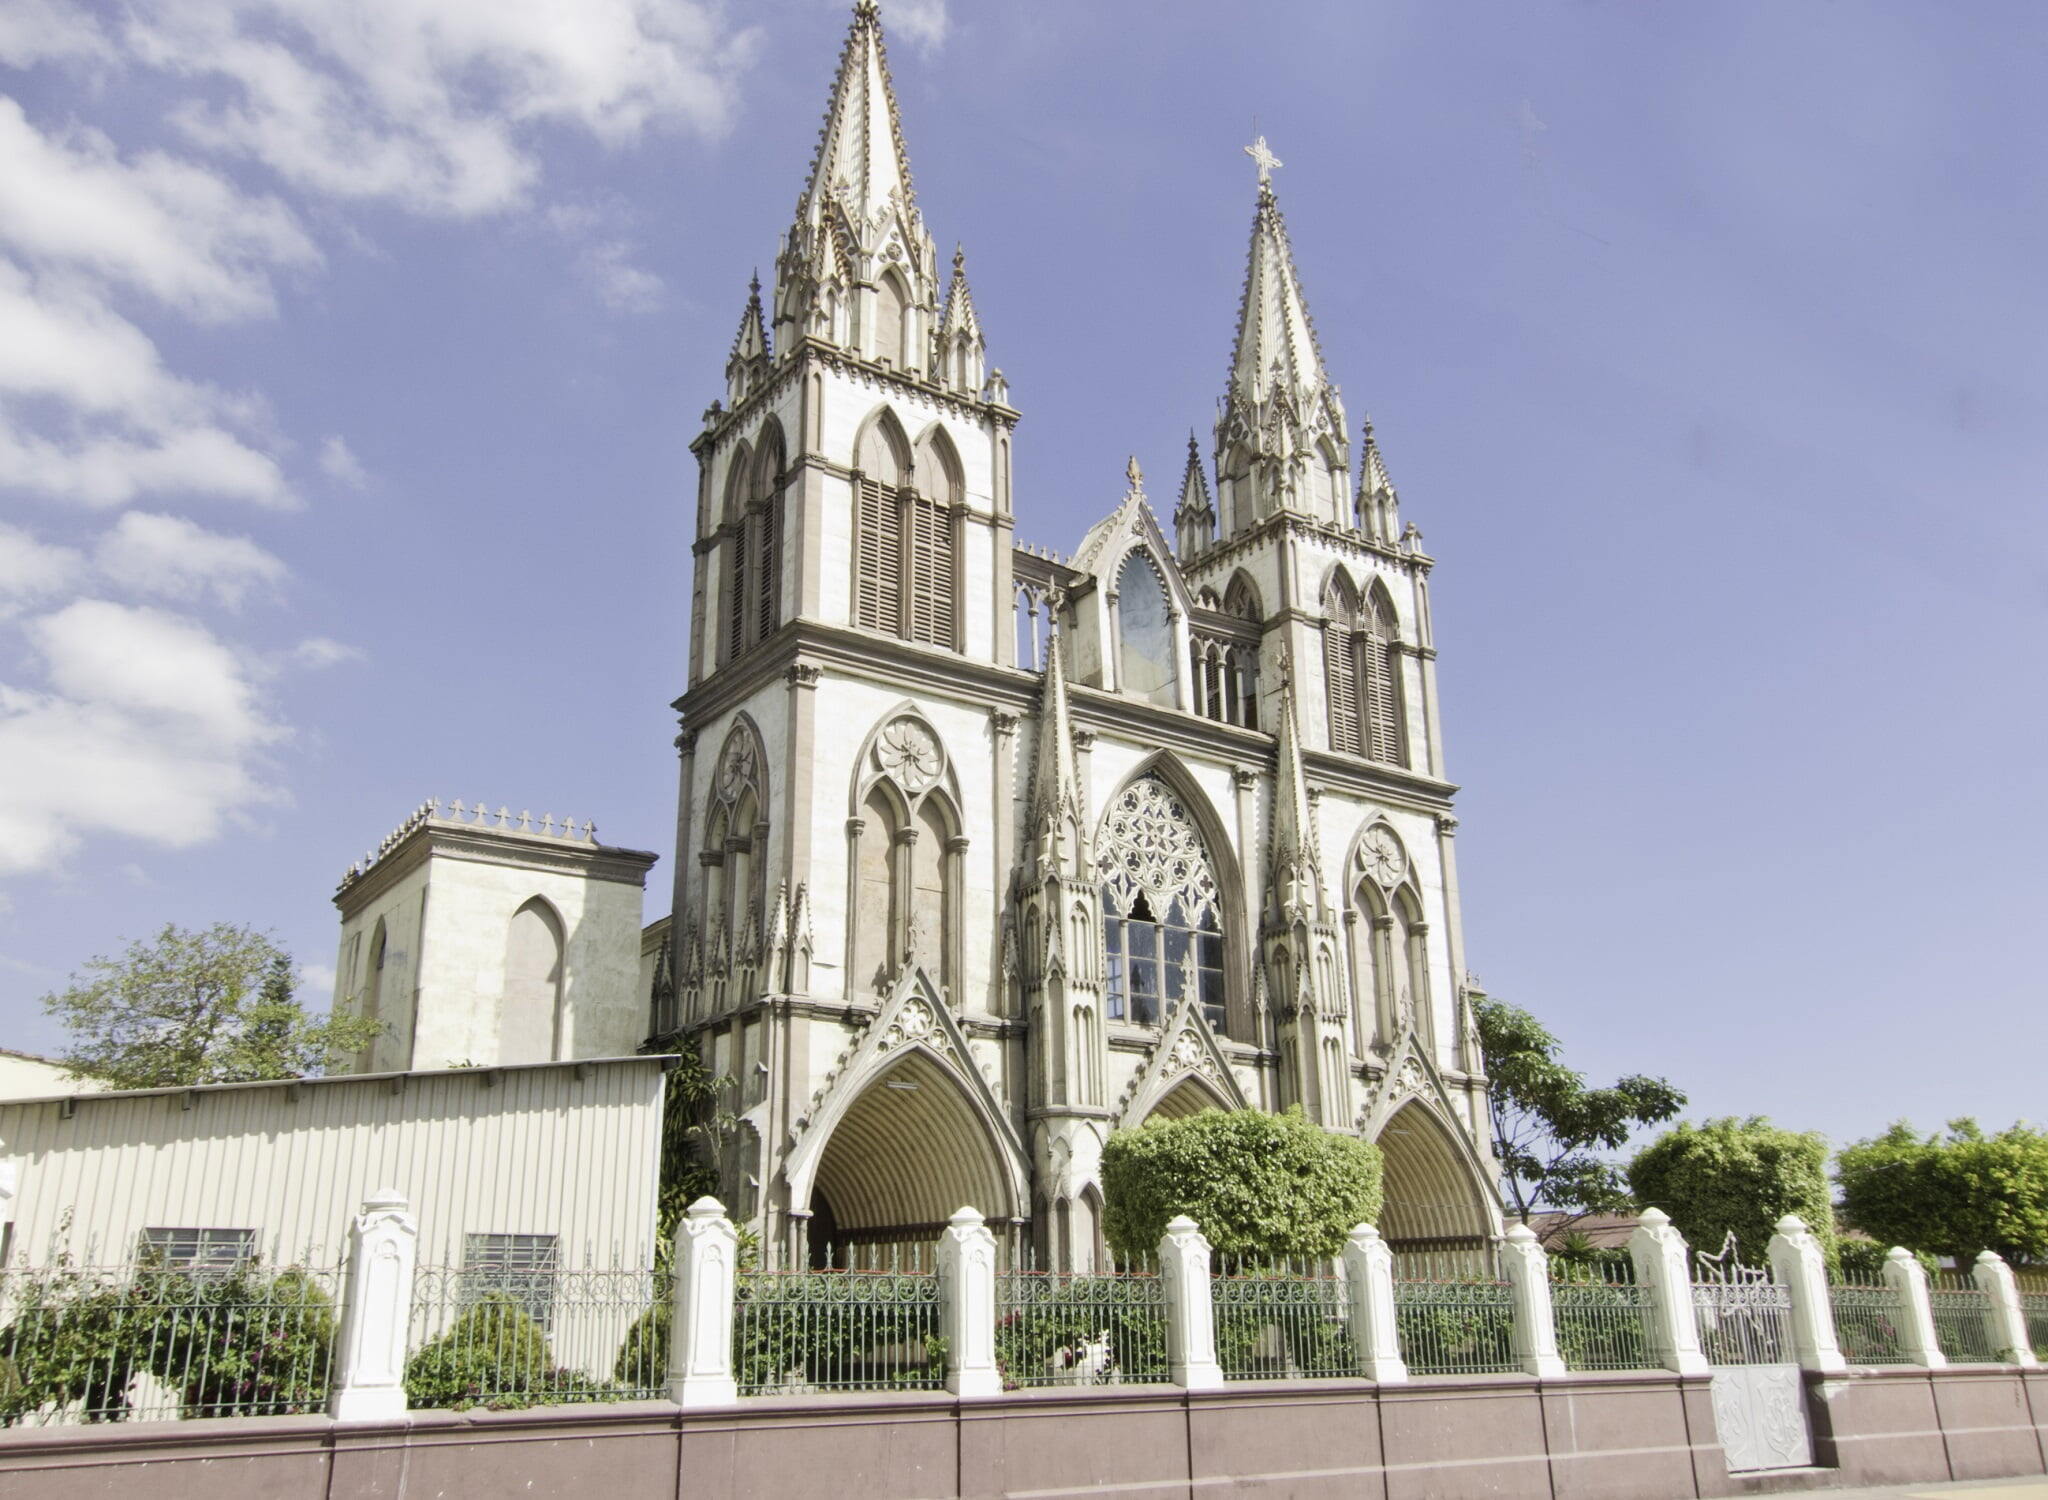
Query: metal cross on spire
point(1259, 152)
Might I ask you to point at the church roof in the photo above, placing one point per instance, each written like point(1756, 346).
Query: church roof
point(860, 158)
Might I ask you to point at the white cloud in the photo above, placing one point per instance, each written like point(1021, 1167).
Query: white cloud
point(316, 979)
point(31, 570)
point(33, 31)
point(922, 23)
point(173, 558)
point(340, 464)
point(318, 651)
point(150, 727)
point(94, 415)
point(183, 235)
point(425, 104)
point(621, 285)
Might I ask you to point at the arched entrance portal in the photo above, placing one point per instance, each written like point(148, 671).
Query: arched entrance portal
point(908, 1152)
point(1433, 1200)
point(1183, 1101)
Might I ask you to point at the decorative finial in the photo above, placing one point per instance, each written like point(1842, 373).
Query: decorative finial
point(755, 285)
point(959, 259)
point(1135, 474)
point(1259, 152)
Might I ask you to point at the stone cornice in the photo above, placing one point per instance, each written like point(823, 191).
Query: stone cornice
point(493, 846)
point(1350, 543)
point(793, 365)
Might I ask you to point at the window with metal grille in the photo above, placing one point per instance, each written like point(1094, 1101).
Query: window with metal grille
point(519, 1266)
point(1162, 932)
point(179, 1249)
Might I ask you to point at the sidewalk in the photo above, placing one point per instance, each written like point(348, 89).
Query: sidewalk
point(2029, 1487)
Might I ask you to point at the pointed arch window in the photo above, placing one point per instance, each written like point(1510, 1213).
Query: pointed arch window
point(1161, 908)
point(530, 1015)
point(906, 567)
point(1362, 673)
point(1145, 650)
point(732, 888)
point(1391, 943)
point(734, 584)
point(908, 857)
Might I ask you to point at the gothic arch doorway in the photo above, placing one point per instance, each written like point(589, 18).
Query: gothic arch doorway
point(1184, 1101)
point(1433, 1199)
point(908, 1152)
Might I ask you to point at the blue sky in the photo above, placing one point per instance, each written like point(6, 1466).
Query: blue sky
point(349, 355)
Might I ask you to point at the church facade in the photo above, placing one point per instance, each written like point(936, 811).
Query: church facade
point(982, 852)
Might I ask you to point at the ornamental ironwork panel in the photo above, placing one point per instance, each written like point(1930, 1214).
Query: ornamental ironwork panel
point(1062, 1328)
point(1277, 1322)
point(797, 1331)
point(1870, 1324)
point(1962, 1325)
point(1456, 1327)
point(1601, 1316)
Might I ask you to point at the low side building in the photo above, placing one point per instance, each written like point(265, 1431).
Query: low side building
point(23, 1075)
point(554, 1163)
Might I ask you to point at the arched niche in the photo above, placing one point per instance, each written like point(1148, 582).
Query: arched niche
point(1147, 652)
point(530, 1012)
point(1186, 1099)
point(906, 857)
point(1434, 1198)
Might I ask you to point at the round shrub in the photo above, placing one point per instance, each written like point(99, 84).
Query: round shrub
point(1740, 1177)
point(1258, 1184)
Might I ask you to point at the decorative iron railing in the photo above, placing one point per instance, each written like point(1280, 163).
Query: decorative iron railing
point(1455, 1327)
point(534, 1337)
point(797, 1331)
point(1744, 1322)
point(1069, 1328)
point(150, 1341)
point(1281, 1320)
point(2034, 1308)
point(1601, 1316)
point(1962, 1324)
point(1869, 1324)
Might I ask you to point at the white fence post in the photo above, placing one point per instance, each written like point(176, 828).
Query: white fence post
point(369, 1374)
point(1369, 1279)
point(1190, 1314)
point(1905, 1275)
point(1799, 1264)
point(2007, 1316)
point(1528, 1271)
point(967, 1301)
point(1663, 1264)
point(700, 1332)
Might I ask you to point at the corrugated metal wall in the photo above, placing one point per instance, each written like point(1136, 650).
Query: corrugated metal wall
point(570, 1149)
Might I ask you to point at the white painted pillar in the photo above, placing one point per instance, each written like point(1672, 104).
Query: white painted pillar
point(1190, 1314)
point(1904, 1274)
point(1663, 1264)
point(1528, 1273)
point(2007, 1316)
point(369, 1373)
point(967, 1303)
point(1369, 1279)
point(1798, 1263)
point(700, 1333)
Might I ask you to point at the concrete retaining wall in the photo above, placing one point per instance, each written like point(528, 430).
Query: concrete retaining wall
point(1628, 1436)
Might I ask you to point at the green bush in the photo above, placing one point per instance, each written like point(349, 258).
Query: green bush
point(643, 1353)
point(494, 1354)
point(830, 1326)
point(240, 1342)
point(1070, 1314)
point(1740, 1177)
point(1861, 1262)
point(1951, 1195)
point(1258, 1184)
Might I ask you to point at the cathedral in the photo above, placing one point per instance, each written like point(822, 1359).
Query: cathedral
point(984, 852)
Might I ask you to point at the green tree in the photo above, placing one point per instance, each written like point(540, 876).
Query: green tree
point(1740, 1177)
point(1550, 1131)
point(1258, 1184)
point(696, 1124)
point(1950, 1195)
point(198, 1007)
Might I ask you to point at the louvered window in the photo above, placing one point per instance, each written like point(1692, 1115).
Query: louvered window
point(1340, 686)
point(931, 575)
point(878, 559)
point(1381, 667)
point(769, 566)
point(736, 590)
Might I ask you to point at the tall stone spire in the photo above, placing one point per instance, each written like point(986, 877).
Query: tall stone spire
point(1379, 507)
point(1057, 813)
point(748, 361)
point(857, 220)
point(1282, 442)
point(1194, 518)
point(1295, 861)
point(963, 353)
